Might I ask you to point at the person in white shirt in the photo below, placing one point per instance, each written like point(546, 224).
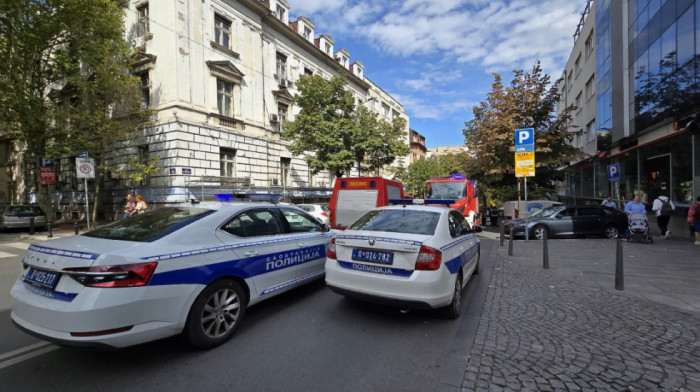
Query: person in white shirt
point(664, 208)
point(609, 202)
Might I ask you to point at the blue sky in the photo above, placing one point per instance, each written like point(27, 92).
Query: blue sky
point(437, 57)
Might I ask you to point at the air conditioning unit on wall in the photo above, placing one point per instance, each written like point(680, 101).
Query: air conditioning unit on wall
point(274, 118)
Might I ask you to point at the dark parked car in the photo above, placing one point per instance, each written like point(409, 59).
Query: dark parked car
point(571, 221)
point(18, 216)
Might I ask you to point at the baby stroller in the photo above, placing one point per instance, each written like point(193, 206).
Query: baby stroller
point(639, 229)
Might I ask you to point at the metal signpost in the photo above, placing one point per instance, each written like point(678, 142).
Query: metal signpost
point(525, 161)
point(614, 177)
point(85, 168)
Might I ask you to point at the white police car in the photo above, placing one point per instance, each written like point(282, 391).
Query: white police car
point(183, 269)
point(407, 256)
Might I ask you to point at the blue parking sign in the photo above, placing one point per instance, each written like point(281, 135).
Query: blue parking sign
point(614, 172)
point(524, 136)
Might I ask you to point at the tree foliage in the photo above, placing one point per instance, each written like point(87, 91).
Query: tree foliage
point(527, 102)
point(337, 136)
point(65, 80)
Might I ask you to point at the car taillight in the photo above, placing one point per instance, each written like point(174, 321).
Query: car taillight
point(429, 259)
point(516, 213)
point(330, 252)
point(324, 213)
point(128, 275)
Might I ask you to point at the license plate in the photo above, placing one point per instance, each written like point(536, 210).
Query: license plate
point(41, 278)
point(373, 256)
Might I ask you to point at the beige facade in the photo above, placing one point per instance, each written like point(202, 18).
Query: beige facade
point(221, 76)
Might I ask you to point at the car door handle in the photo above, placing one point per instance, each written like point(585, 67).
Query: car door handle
point(251, 253)
point(302, 244)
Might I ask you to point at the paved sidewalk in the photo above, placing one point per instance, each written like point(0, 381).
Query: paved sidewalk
point(567, 328)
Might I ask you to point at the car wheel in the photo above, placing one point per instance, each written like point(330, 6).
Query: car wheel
point(454, 309)
point(611, 232)
point(215, 314)
point(540, 231)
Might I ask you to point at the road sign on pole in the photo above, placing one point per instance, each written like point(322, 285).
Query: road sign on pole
point(614, 172)
point(85, 167)
point(525, 152)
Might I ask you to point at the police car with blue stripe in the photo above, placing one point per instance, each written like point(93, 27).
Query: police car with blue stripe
point(410, 256)
point(181, 269)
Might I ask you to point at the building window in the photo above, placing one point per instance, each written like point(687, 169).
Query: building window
point(285, 166)
point(578, 102)
point(281, 66)
point(222, 31)
point(590, 89)
point(328, 49)
point(145, 86)
point(144, 159)
point(308, 72)
point(307, 33)
point(142, 23)
point(570, 80)
point(589, 44)
point(385, 110)
point(281, 116)
point(280, 12)
point(590, 130)
point(224, 97)
point(228, 162)
point(577, 64)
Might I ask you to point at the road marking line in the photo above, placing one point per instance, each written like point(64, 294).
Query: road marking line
point(25, 353)
point(18, 245)
point(3, 255)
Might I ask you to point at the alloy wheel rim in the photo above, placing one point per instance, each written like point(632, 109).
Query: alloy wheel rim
point(220, 313)
point(539, 233)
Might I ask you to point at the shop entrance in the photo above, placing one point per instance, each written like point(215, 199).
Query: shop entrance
point(657, 172)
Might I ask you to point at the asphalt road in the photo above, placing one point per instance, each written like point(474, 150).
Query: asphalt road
point(310, 339)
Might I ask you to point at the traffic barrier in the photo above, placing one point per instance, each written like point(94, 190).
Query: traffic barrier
point(77, 228)
point(502, 232)
point(49, 228)
point(31, 225)
point(619, 277)
point(510, 243)
point(545, 251)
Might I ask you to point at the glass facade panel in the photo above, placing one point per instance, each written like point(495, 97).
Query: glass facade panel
point(685, 40)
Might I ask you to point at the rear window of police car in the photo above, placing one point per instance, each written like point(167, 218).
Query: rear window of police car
point(398, 221)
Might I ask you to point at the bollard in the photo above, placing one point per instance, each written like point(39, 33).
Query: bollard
point(510, 243)
point(545, 251)
point(48, 228)
point(502, 231)
point(77, 228)
point(31, 225)
point(619, 278)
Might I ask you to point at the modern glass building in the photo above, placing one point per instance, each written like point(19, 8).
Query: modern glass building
point(647, 103)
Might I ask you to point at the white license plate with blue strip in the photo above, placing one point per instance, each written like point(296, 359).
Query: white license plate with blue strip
point(41, 278)
point(373, 256)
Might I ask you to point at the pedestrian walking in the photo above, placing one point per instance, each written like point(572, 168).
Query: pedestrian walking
point(635, 206)
point(609, 202)
point(694, 219)
point(141, 205)
point(663, 207)
point(130, 207)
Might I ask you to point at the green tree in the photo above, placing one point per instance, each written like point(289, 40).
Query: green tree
point(438, 165)
point(65, 84)
point(336, 136)
point(527, 103)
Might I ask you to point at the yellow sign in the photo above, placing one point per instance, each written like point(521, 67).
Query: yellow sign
point(525, 164)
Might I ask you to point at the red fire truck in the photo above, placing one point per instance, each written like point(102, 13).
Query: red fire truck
point(457, 187)
point(353, 197)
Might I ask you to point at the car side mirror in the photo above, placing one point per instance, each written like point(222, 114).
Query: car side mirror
point(477, 229)
point(325, 228)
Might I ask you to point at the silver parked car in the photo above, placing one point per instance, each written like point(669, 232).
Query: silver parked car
point(318, 211)
point(18, 216)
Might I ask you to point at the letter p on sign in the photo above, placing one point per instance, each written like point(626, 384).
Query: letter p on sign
point(524, 136)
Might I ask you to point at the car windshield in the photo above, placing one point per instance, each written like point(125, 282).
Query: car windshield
point(446, 190)
point(398, 221)
point(545, 212)
point(151, 225)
